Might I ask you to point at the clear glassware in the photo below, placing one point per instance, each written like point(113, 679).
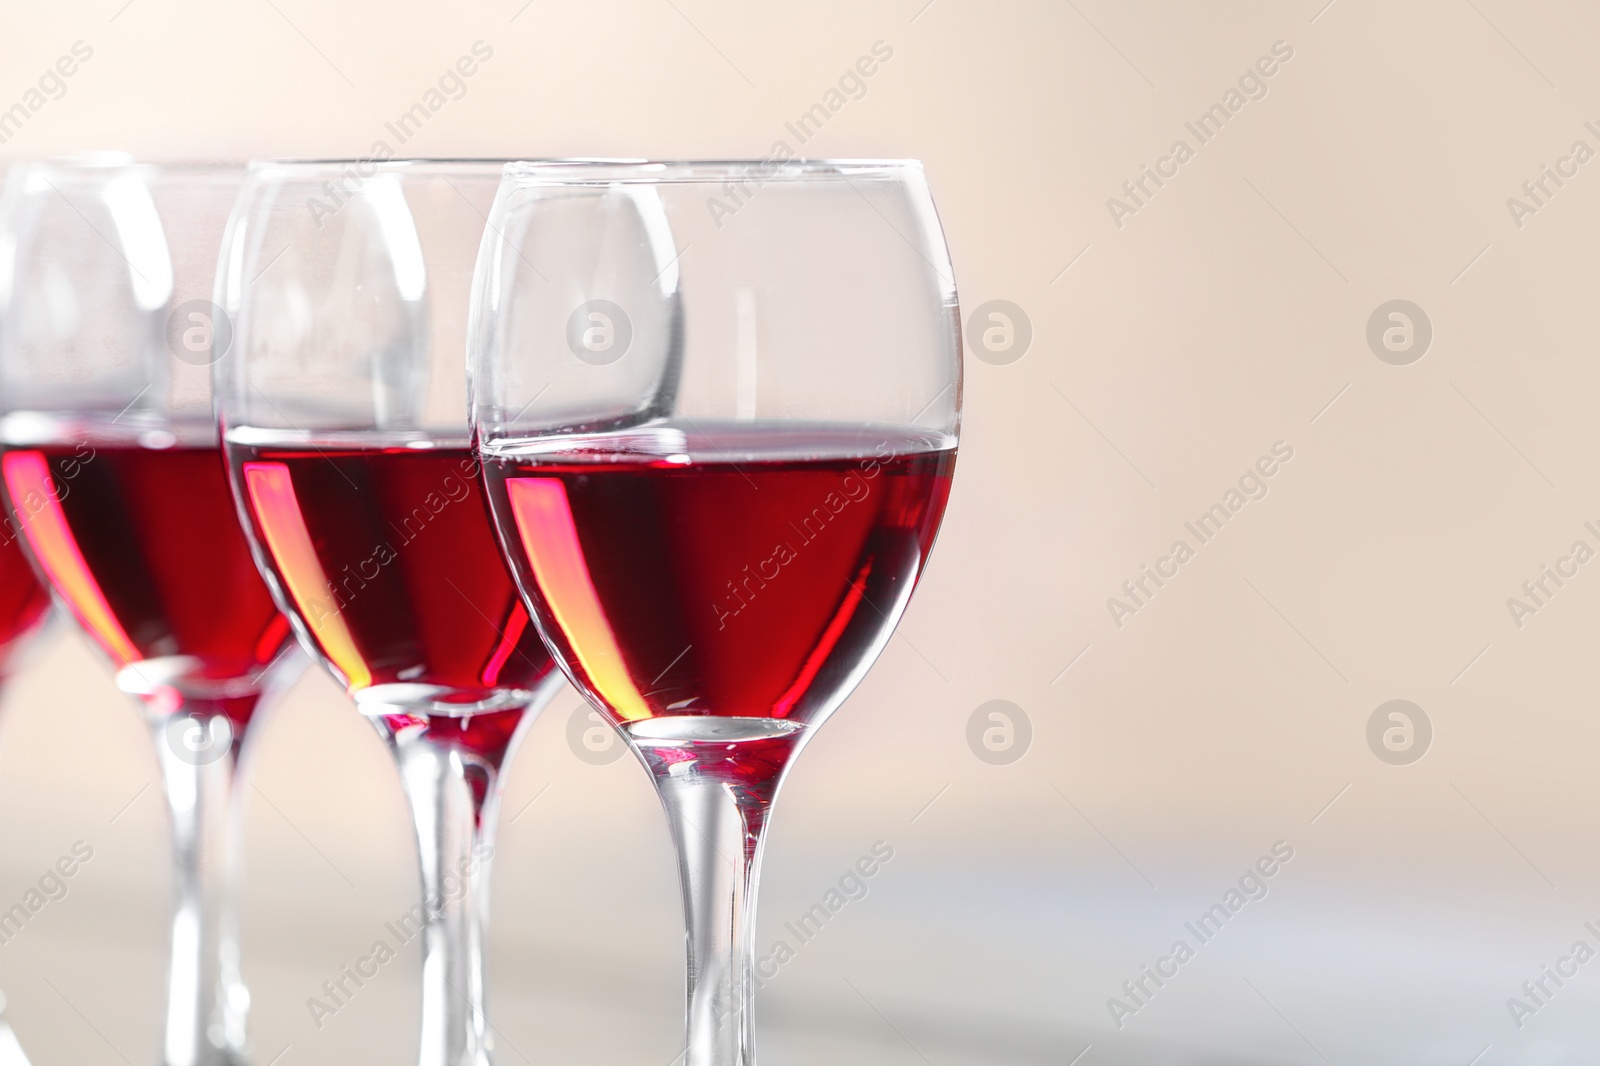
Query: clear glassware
point(344, 417)
point(717, 406)
point(24, 610)
point(11, 1053)
point(114, 477)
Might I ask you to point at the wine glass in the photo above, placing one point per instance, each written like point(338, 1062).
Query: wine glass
point(113, 475)
point(24, 609)
point(343, 414)
point(717, 408)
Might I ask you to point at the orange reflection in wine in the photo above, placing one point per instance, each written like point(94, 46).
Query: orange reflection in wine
point(39, 511)
point(545, 527)
point(284, 529)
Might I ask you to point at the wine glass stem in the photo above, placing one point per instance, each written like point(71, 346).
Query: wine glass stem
point(199, 746)
point(454, 800)
point(717, 829)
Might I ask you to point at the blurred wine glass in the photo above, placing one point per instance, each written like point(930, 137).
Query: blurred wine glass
point(114, 477)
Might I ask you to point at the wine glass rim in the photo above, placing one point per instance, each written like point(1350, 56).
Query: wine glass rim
point(535, 172)
point(292, 165)
point(111, 161)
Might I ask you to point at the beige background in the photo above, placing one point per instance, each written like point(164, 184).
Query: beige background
point(1227, 314)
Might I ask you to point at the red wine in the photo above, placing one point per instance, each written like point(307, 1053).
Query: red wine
point(23, 601)
point(748, 571)
point(389, 560)
point(143, 545)
point(483, 741)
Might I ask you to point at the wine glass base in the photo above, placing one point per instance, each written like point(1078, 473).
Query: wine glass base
point(11, 1053)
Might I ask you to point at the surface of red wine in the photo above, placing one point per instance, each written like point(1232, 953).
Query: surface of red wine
point(389, 559)
point(730, 572)
point(143, 544)
point(23, 601)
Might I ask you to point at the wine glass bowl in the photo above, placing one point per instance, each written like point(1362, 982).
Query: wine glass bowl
point(702, 570)
point(113, 476)
point(343, 413)
point(717, 407)
point(110, 453)
point(342, 408)
point(666, 506)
